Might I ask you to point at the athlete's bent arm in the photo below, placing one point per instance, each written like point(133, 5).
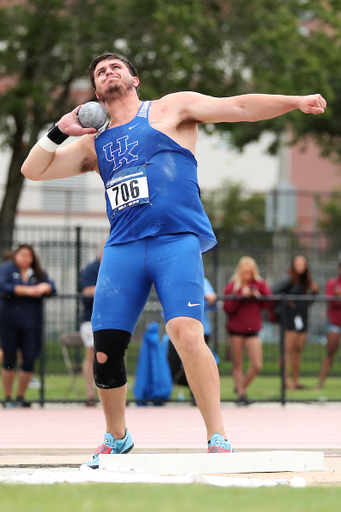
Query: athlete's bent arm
point(76, 158)
point(248, 107)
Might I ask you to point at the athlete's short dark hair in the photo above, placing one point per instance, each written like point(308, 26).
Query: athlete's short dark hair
point(106, 56)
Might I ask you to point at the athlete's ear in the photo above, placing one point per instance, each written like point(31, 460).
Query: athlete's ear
point(97, 95)
point(136, 81)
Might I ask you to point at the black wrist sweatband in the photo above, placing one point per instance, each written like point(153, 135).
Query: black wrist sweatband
point(56, 135)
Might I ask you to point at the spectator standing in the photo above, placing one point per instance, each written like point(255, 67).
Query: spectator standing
point(245, 321)
point(333, 289)
point(298, 281)
point(24, 283)
point(88, 283)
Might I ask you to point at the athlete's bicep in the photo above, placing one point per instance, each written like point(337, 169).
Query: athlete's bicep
point(208, 109)
point(192, 107)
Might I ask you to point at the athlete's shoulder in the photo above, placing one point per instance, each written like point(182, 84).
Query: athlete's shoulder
point(82, 144)
point(185, 105)
point(88, 141)
point(181, 97)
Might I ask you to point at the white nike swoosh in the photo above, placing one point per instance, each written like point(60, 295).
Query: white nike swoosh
point(190, 305)
point(131, 127)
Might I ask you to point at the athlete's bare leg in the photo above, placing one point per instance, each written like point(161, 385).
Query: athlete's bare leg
point(299, 343)
point(187, 335)
point(237, 345)
point(7, 381)
point(254, 349)
point(114, 403)
point(88, 373)
point(290, 337)
point(332, 347)
point(23, 381)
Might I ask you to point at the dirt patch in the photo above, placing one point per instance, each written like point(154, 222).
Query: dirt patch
point(331, 475)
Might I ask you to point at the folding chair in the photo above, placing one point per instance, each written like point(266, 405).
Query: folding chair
point(67, 340)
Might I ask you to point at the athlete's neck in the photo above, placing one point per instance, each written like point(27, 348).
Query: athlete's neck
point(123, 110)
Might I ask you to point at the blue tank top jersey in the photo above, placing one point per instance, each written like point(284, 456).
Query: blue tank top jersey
point(151, 184)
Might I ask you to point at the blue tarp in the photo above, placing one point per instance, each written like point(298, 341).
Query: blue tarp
point(153, 380)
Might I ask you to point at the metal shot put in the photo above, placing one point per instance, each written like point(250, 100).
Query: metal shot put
point(92, 115)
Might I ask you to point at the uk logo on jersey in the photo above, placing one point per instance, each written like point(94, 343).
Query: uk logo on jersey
point(123, 152)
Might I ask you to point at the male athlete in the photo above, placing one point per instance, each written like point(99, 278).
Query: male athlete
point(159, 230)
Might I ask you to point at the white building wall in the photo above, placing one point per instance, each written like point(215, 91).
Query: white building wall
point(253, 168)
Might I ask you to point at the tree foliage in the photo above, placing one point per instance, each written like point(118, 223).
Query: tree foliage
point(232, 210)
point(331, 213)
point(217, 47)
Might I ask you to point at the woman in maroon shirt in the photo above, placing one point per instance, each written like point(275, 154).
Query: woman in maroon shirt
point(245, 321)
point(333, 289)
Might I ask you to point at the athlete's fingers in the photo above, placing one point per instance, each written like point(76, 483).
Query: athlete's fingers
point(70, 125)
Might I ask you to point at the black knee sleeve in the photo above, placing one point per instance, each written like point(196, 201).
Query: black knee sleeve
point(113, 343)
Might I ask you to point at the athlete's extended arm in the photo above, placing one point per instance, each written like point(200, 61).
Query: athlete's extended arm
point(248, 107)
point(42, 164)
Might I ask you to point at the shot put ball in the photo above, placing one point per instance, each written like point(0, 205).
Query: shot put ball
point(92, 115)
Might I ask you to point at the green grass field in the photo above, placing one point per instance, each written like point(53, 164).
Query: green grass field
point(311, 359)
point(267, 386)
point(165, 498)
point(263, 388)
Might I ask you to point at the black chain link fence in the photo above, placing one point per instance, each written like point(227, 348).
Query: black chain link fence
point(65, 251)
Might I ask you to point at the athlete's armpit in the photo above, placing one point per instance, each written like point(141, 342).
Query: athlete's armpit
point(88, 164)
point(187, 122)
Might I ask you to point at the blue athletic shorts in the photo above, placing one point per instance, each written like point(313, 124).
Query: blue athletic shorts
point(334, 328)
point(173, 263)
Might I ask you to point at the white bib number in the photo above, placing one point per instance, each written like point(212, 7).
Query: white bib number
point(128, 188)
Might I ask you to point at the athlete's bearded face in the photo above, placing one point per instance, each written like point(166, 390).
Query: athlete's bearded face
point(113, 80)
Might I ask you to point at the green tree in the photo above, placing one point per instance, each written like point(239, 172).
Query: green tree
point(331, 213)
point(46, 45)
point(43, 51)
point(289, 47)
point(217, 47)
point(229, 209)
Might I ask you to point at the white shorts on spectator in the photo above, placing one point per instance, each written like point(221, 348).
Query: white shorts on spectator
point(87, 334)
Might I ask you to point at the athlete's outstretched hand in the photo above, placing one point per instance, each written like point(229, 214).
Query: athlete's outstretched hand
point(70, 125)
point(312, 104)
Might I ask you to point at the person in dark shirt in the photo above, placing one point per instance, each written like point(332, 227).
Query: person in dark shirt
point(333, 289)
point(245, 321)
point(298, 281)
point(88, 283)
point(23, 283)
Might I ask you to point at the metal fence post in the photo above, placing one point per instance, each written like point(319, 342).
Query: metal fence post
point(42, 352)
point(282, 349)
point(78, 285)
point(78, 270)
